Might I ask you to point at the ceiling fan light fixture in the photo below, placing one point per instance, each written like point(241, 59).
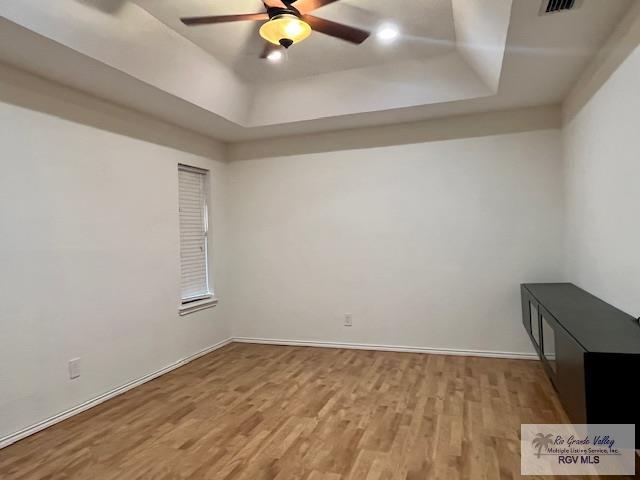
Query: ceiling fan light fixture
point(285, 30)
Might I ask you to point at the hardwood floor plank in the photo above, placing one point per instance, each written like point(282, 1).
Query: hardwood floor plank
point(275, 412)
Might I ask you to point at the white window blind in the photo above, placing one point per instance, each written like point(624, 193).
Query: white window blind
point(194, 271)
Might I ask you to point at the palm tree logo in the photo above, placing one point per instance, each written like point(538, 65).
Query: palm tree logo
point(541, 441)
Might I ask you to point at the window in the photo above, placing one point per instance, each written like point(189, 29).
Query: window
point(196, 292)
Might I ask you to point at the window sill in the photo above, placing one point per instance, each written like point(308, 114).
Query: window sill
point(191, 307)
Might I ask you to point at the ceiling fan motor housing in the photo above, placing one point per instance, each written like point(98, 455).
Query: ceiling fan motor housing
point(275, 11)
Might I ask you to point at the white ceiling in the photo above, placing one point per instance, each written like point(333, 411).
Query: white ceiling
point(427, 26)
point(455, 56)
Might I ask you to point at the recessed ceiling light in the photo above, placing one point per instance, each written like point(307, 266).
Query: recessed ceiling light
point(387, 32)
point(275, 56)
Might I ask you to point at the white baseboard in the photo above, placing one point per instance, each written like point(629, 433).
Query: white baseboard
point(388, 348)
point(30, 430)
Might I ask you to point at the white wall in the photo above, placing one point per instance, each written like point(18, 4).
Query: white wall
point(89, 248)
point(601, 150)
point(425, 243)
point(422, 232)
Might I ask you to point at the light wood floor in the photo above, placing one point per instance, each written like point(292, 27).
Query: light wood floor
point(272, 412)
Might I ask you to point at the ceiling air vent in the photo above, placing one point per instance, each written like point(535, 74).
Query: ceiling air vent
point(553, 6)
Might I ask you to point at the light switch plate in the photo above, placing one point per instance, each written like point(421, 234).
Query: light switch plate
point(74, 368)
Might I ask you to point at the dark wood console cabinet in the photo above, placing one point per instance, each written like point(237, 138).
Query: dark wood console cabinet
point(589, 349)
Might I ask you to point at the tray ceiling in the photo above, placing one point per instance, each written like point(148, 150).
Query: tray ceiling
point(452, 57)
point(427, 27)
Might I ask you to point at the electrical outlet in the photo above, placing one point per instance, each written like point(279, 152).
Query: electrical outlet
point(348, 320)
point(74, 368)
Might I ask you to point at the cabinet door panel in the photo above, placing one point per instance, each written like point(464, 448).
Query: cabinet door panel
point(570, 375)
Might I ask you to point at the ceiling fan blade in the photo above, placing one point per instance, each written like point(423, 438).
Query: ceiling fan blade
point(224, 18)
point(306, 6)
point(268, 48)
point(338, 30)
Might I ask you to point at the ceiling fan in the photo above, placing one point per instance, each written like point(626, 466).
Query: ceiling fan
point(287, 24)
